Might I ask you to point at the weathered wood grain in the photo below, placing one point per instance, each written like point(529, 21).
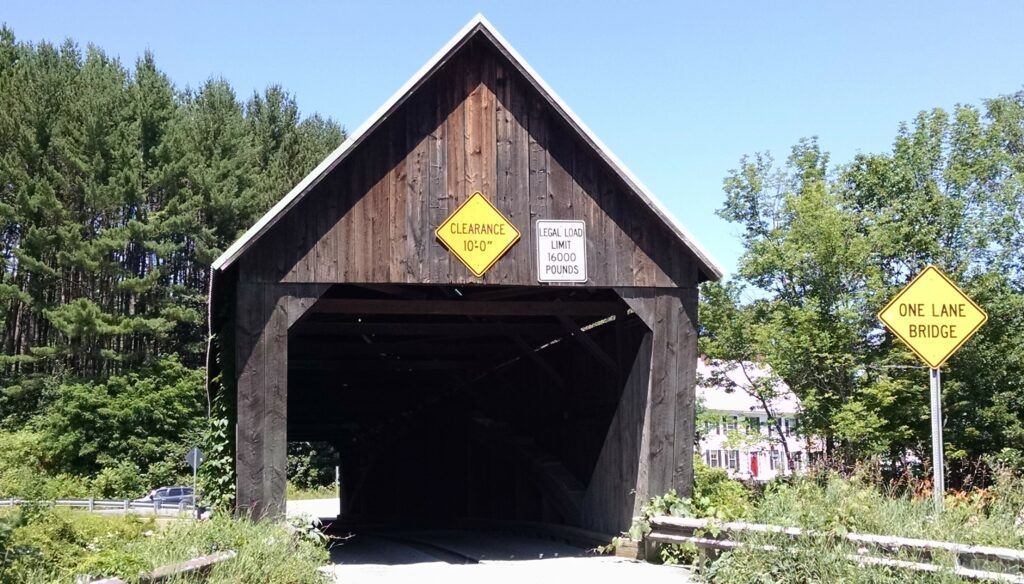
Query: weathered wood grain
point(477, 125)
point(669, 421)
point(614, 494)
point(263, 315)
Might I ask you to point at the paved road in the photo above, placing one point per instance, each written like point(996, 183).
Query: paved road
point(457, 557)
point(454, 557)
point(313, 507)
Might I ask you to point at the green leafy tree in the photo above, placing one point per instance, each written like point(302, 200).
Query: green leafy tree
point(826, 247)
point(117, 191)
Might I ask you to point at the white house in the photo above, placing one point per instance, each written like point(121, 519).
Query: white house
point(734, 430)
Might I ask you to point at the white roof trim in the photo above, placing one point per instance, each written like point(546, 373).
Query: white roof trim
point(712, 268)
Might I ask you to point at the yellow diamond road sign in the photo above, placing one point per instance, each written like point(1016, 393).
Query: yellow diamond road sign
point(477, 233)
point(933, 316)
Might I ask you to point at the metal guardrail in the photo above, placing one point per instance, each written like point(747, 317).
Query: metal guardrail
point(871, 549)
point(107, 505)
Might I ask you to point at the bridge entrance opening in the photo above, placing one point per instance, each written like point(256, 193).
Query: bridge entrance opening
point(472, 403)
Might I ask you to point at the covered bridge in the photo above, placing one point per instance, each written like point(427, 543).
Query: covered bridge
point(476, 303)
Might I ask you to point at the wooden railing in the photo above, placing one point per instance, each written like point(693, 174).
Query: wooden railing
point(91, 504)
point(200, 566)
point(875, 550)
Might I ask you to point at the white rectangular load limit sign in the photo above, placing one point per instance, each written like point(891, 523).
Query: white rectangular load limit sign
point(561, 251)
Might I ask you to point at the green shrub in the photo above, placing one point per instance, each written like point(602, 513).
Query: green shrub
point(146, 417)
point(50, 544)
point(715, 495)
point(718, 496)
point(311, 464)
point(123, 479)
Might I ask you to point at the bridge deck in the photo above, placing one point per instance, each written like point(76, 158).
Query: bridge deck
point(454, 557)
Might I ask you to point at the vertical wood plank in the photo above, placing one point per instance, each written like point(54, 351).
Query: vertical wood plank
point(538, 182)
point(612, 238)
point(668, 418)
point(357, 231)
point(438, 198)
point(560, 183)
point(417, 126)
point(328, 269)
point(662, 404)
point(686, 392)
point(615, 491)
point(455, 158)
point(519, 180)
point(504, 188)
point(380, 208)
point(398, 236)
point(275, 441)
point(586, 197)
point(263, 315)
point(249, 430)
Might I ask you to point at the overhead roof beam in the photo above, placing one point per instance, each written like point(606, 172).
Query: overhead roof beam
point(584, 339)
point(426, 328)
point(363, 306)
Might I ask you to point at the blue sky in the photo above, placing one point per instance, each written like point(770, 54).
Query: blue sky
point(679, 91)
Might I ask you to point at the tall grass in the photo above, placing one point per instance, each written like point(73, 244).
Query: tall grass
point(267, 552)
point(991, 516)
point(831, 504)
point(39, 545)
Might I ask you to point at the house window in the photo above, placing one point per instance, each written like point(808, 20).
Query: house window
point(788, 426)
point(798, 460)
point(731, 424)
point(713, 459)
point(734, 459)
point(773, 460)
point(753, 425)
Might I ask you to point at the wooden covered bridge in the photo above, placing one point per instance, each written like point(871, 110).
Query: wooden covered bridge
point(476, 303)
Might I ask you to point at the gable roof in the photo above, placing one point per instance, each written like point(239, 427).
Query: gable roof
point(730, 396)
point(477, 25)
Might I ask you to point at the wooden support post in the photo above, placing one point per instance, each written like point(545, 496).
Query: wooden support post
point(264, 313)
point(671, 314)
point(618, 486)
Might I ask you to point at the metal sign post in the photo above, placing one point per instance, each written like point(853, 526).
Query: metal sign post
point(938, 462)
point(934, 318)
point(194, 458)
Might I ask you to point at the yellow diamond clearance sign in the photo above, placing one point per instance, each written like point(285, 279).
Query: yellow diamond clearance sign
point(477, 233)
point(933, 316)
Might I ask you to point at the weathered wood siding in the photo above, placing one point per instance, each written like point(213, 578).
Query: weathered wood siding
point(477, 125)
point(263, 315)
point(667, 449)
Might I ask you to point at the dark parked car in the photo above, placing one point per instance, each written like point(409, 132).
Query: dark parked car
point(172, 496)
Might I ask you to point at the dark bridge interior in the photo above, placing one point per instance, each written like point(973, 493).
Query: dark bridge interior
point(456, 402)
